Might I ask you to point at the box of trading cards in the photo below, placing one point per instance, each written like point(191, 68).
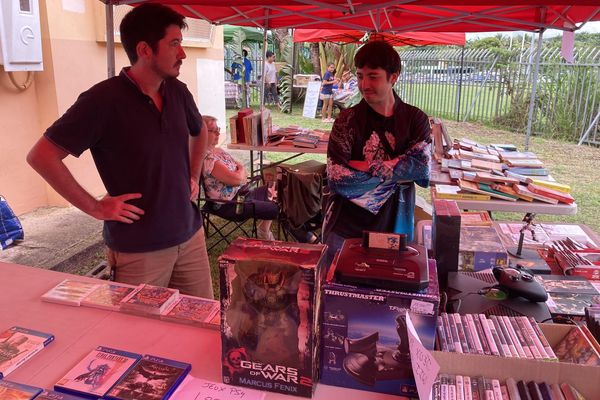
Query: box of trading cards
point(269, 319)
point(364, 343)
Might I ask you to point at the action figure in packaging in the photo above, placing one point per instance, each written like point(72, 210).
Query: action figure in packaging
point(268, 292)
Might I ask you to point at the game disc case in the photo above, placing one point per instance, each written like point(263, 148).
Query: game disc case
point(269, 309)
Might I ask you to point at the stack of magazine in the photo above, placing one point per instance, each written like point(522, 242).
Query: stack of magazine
point(143, 299)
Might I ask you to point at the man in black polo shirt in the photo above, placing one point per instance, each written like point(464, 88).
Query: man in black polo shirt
point(376, 150)
point(148, 140)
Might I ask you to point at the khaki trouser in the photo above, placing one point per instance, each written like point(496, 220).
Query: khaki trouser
point(184, 267)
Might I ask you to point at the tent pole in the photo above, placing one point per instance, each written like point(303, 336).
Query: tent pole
point(294, 50)
point(110, 40)
point(533, 88)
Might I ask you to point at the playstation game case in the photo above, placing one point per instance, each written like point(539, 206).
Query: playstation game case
point(69, 292)
point(192, 310)
point(108, 296)
point(17, 391)
point(17, 345)
point(152, 378)
point(54, 395)
point(96, 373)
point(149, 299)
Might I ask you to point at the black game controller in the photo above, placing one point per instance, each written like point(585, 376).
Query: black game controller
point(518, 282)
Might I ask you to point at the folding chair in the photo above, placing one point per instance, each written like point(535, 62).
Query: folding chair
point(245, 211)
point(300, 193)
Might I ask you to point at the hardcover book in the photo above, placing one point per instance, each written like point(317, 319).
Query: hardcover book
point(17, 391)
point(54, 395)
point(452, 192)
point(524, 191)
point(152, 378)
point(553, 194)
point(149, 299)
point(97, 372)
point(69, 292)
point(192, 310)
point(108, 296)
point(17, 345)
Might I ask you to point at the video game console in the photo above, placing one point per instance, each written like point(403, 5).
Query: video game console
point(402, 268)
point(518, 282)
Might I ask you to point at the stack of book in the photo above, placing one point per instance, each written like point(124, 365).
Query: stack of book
point(17, 345)
point(475, 172)
point(453, 387)
point(496, 335)
point(251, 127)
point(307, 140)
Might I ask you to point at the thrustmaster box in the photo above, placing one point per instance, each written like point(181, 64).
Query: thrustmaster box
point(364, 344)
point(269, 324)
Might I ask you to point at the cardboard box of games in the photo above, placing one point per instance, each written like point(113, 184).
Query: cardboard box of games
point(364, 344)
point(584, 378)
point(269, 321)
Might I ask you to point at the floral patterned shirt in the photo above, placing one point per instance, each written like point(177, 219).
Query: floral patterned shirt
point(214, 188)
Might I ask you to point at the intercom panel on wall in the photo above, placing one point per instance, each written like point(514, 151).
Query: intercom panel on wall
point(20, 35)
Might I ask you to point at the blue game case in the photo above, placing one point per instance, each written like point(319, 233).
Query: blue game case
point(10, 390)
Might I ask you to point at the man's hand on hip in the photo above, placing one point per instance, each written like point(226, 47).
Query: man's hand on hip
point(116, 208)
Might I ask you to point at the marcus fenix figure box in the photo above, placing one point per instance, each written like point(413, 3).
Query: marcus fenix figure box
point(268, 315)
point(364, 344)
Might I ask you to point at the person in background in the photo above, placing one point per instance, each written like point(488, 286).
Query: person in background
point(224, 178)
point(247, 75)
point(377, 150)
point(327, 83)
point(270, 78)
point(148, 141)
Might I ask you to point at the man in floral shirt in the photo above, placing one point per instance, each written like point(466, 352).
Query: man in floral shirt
point(377, 150)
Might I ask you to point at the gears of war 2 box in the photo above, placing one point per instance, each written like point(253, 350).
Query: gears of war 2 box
point(364, 344)
point(269, 318)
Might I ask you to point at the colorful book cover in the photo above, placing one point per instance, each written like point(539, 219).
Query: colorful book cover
point(53, 395)
point(17, 391)
point(570, 304)
point(150, 299)
point(566, 284)
point(18, 345)
point(69, 292)
point(190, 309)
point(97, 372)
point(576, 348)
point(152, 378)
point(480, 248)
point(108, 296)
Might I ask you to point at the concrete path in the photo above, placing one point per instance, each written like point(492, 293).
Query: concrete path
point(58, 238)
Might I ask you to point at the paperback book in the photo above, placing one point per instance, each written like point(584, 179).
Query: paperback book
point(69, 292)
point(97, 372)
point(152, 378)
point(108, 296)
point(17, 391)
point(17, 345)
point(149, 299)
point(192, 310)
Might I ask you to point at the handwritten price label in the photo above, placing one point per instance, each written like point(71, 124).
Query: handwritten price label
point(425, 368)
point(199, 389)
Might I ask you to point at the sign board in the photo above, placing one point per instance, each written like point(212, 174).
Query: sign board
point(311, 99)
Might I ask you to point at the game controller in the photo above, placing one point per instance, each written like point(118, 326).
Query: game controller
point(518, 282)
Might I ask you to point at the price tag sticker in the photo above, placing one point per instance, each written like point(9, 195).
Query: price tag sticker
point(421, 307)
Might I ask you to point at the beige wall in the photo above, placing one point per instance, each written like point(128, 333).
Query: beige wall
point(73, 61)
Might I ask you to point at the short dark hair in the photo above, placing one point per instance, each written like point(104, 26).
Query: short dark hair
point(147, 23)
point(378, 54)
point(245, 53)
point(269, 53)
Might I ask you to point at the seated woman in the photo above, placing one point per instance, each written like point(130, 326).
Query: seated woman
point(224, 179)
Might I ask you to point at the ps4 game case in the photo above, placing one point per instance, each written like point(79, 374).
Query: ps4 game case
point(269, 315)
point(364, 344)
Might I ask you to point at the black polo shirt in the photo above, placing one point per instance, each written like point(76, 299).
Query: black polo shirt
point(138, 149)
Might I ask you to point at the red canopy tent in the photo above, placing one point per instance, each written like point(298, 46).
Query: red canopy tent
point(397, 39)
point(388, 16)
